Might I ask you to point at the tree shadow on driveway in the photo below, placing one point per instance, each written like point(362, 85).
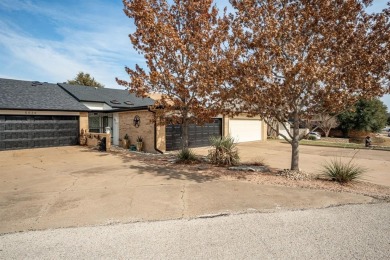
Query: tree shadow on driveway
point(159, 166)
point(168, 173)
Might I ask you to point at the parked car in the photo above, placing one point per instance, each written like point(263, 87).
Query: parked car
point(314, 135)
point(386, 131)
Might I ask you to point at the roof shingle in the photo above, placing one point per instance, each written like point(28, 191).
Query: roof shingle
point(116, 98)
point(31, 95)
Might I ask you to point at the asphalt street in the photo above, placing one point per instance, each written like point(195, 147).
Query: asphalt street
point(344, 232)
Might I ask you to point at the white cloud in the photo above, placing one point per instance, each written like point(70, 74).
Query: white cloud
point(97, 44)
point(93, 39)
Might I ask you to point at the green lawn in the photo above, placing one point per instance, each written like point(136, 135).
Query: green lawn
point(342, 145)
point(331, 144)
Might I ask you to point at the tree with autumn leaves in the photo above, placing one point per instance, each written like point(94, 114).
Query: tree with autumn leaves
point(287, 60)
point(300, 58)
point(180, 42)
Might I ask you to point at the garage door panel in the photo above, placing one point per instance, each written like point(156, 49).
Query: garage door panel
point(20, 132)
point(15, 135)
point(44, 134)
point(245, 130)
point(197, 135)
point(44, 125)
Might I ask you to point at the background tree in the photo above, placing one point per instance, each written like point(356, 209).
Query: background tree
point(85, 79)
point(367, 115)
point(326, 122)
point(298, 58)
point(180, 41)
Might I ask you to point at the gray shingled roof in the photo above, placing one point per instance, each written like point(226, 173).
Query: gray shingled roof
point(19, 94)
point(115, 98)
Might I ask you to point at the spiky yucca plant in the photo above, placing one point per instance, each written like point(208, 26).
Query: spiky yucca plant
point(224, 151)
point(342, 172)
point(186, 155)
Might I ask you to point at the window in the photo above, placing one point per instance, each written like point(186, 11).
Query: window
point(94, 124)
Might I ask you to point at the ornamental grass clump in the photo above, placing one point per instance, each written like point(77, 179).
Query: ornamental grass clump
point(342, 172)
point(186, 155)
point(224, 151)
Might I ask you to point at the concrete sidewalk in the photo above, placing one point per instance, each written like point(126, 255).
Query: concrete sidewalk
point(346, 232)
point(74, 186)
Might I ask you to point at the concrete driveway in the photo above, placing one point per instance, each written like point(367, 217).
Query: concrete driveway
point(75, 186)
point(277, 154)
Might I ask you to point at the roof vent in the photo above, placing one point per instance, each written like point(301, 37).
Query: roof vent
point(36, 83)
point(115, 101)
point(129, 103)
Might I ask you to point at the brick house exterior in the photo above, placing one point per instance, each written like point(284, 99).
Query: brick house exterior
point(70, 110)
point(153, 134)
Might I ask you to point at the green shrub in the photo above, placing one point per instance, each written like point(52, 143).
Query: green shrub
point(224, 151)
point(342, 172)
point(186, 155)
point(311, 137)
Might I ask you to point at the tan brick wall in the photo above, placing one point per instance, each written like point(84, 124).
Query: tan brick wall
point(83, 121)
point(225, 126)
point(145, 130)
point(264, 136)
point(93, 139)
point(161, 141)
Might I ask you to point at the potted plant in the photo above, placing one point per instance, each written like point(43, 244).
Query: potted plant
point(126, 141)
point(139, 143)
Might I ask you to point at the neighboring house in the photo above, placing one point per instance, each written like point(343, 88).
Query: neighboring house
point(283, 131)
point(34, 114)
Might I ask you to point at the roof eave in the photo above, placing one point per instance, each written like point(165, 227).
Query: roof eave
point(46, 109)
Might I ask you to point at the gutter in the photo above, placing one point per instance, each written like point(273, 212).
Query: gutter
point(155, 133)
point(115, 110)
point(45, 109)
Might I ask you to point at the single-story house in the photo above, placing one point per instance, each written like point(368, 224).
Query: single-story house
point(36, 114)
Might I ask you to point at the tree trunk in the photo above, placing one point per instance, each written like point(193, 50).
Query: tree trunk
point(295, 145)
point(327, 132)
point(184, 134)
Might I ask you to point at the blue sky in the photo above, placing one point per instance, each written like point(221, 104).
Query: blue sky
point(53, 40)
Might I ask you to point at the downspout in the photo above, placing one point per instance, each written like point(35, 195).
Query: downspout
point(155, 133)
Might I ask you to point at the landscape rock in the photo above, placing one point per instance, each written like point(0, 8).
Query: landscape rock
point(249, 168)
point(295, 175)
point(203, 167)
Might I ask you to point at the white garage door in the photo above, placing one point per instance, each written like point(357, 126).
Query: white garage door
point(245, 130)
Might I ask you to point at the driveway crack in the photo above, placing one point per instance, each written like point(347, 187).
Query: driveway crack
point(183, 190)
point(73, 183)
